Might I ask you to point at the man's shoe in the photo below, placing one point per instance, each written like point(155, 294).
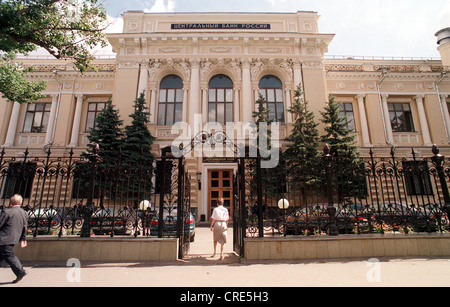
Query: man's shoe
point(20, 276)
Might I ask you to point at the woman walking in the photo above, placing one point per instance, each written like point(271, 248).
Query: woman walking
point(219, 226)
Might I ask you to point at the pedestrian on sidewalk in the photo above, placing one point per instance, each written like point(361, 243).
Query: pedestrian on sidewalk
point(13, 229)
point(219, 226)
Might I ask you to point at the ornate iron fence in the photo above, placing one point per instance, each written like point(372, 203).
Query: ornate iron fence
point(338, 196)
point(68, 195)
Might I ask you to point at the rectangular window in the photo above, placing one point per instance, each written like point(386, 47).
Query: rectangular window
point(220, 105)
point(170, 106)
point(347, 111)
point(94, 108)
point(36, 117)
point(19, 179)
point(274, 102)
point(401, 117)
point(417, 178)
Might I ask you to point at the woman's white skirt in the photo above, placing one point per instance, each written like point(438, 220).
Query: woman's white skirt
point(220, 232)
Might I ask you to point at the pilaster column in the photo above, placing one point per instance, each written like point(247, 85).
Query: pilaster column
point(423, 121)
point(297, 74)
point(288, 115)
point(256, 95)
point(237, 105)
point(76, 121)
point(387, 121)
point(443, 101)
point(246, 92)
point(185, 104)
point(11, 134)
point(51, 119)
point(363, 121)
point(205, 105)
point(143, 79)
point(153, 95)
point(194, 98)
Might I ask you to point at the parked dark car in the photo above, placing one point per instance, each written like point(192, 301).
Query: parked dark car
point(170, 217)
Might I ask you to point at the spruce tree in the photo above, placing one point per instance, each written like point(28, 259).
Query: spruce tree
point(350, 179)
point(262, 115)
point(272, 179)
point(301, 153)
point(108, 135)
point(138, 140)
point(338, 135)
point(136, 152)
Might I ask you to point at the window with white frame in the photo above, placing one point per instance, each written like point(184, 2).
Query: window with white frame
point(170, 105)
point(271, 88)
point(220, 102)
point(36, 117)
point(94, 108)
point(346, 109)
point(401, 117)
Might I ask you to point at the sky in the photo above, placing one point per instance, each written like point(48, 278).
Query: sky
point(397, 28)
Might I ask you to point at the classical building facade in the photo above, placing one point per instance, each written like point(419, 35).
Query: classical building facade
point(211, 67)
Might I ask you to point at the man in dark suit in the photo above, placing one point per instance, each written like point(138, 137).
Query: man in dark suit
point(13, 229)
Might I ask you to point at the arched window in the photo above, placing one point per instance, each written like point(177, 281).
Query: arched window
point(220, 105)
point(170, 104)
point(271, 89)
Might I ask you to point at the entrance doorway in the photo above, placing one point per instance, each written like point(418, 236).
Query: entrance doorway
point(220, 184)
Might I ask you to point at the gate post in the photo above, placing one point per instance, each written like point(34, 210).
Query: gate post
point(162, 192)
point(259, 195)
point(243, 211)
point(332, 227)
point(94, 158)
point(438, 161)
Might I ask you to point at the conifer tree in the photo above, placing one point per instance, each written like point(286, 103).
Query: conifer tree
point(107, 134)
point(301, 153)
point(136, 153)
point(350, 180)
point(338, 135)
point(262, 115)
point(138, 140)
point(272, 179)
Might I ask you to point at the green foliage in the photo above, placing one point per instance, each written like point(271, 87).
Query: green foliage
point(301, 153)
point(136, 152)
point(108, 135)
point(138, 140)
point(349, 178)
point(13, 84)
point(338, 135)
point(272, 179)
point(262, 113)
point(67, 29)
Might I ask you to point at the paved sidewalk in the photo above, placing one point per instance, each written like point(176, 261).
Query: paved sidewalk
point(200, 270)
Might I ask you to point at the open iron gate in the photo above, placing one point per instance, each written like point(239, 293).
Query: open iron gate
point(175, 193)
point(247, 190)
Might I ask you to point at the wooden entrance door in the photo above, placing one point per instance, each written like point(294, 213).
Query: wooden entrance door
point(220, 184)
